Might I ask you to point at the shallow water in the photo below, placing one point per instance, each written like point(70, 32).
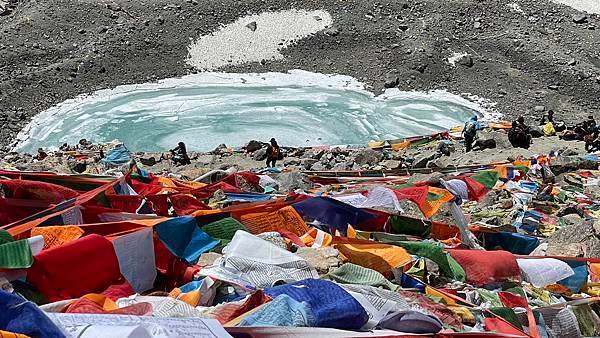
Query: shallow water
point(208, 109)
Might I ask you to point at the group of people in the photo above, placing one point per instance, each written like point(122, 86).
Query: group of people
point(521, 135)
point(179, 154)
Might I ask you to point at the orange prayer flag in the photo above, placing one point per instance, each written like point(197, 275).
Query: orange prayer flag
point(377, 256)
point(285, 218)
point(57, 235)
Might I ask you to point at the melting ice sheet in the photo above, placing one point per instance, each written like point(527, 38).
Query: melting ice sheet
point(204, 110)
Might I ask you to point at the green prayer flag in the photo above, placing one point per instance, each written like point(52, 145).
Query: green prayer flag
point(488, 178)
point(16, 255)
point(223, 229)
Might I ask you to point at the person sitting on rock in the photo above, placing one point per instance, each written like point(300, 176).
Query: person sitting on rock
point(273, 153)
point(584, 128)
point(40, 155)
point(180, 156)
point(559, 126)
point(589, 125)
point(519, 135)
point(469, 132)
point(592, 141)
point(84, 144)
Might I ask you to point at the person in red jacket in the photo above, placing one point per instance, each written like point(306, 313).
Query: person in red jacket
point(273, 153)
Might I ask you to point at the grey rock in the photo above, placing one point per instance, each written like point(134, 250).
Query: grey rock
point(293, 180)
point(4, 7)
point(253, 146)
point(580, 18)
point(208, 258)
point(220, 149)
point(148, 161)
point(422, 160)
point(318, 154)
point(291, 162)
point(113, 6)
point(252, 26)
point(322, 259)
point(466, 61)
point(578, 238)
point(391, 79)
point(331, 31)
point(340, 167)
point(318, 167)
point(391, 164)
point(403, 27)
point(367, 156)
point(260, 154)
point(307, 163)
point(539, 108)
point(501, 140)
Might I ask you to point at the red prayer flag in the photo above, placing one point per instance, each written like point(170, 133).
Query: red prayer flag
point(511, 300)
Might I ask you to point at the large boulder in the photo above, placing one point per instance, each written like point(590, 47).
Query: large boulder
point(290, 181)
point(220, 149)
point(253, 146)
point(391, 164)
point(367, 156)
point(391, 79)
point(318, 167)
point(148, 161)
point(260, 154)
point(500, 139)
point(422, 160)
point(579, 237)
point(307, 163)
point(324, 259)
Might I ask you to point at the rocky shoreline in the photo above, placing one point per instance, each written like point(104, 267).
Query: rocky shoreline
point(425, 158)
point(522, 56)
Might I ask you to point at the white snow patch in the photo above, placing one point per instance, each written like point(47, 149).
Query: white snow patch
point(590, 6)
point(235, 43)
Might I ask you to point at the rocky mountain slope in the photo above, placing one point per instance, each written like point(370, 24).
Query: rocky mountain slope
point(521, 54)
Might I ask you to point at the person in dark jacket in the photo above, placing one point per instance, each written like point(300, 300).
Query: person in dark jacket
point(273, 153)
point(180, 156)
point(519, 135)
point(469, 132)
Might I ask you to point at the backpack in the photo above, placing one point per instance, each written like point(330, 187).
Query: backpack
point(470, 128)
point(549, 129)
point(275, 153)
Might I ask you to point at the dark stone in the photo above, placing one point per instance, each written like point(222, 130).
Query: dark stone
point(331, 31)
point(367, 156)
point(78, 166)
point(252, 26)
point(148, 161)
point(253, 146)
point(466, 61)
point(391, 79)
point(580, 18)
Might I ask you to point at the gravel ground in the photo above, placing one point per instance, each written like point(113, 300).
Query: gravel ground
point(522, 54)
